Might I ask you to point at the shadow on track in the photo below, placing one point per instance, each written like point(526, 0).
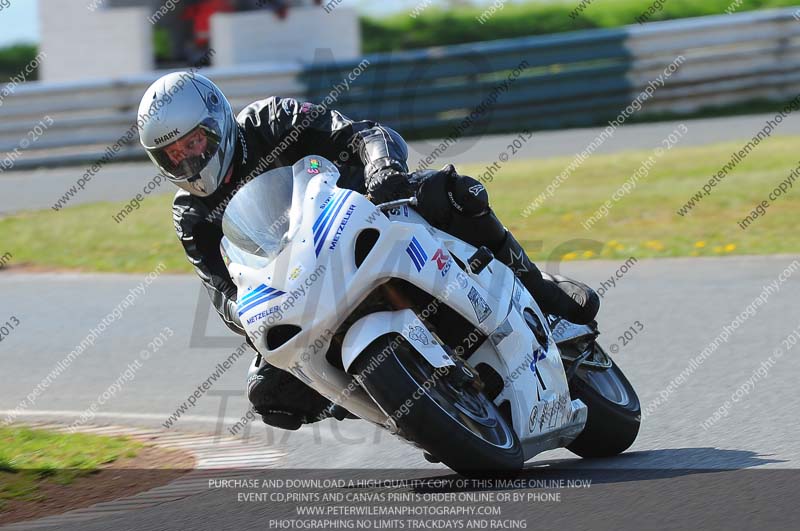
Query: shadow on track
point(634, 466)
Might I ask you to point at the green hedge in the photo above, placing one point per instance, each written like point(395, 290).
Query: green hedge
point(14, 59)
point(436, 27)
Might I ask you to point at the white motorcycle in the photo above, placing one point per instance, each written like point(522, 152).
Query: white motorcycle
point(416, 331)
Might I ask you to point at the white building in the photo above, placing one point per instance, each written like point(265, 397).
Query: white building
point(90, 39)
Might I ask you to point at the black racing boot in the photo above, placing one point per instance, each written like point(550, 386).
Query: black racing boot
point(282, 399)
point(560, 296)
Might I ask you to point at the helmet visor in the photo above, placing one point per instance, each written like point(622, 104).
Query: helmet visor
point(190, 154)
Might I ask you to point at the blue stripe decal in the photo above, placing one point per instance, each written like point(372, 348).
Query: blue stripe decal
point(324, 211)
point(259, 296)
point(419, 249)
point(260, 290)
point(267, 298)
point(413, 259)
point(332, 222)
point(417, 254)
point(414, 255)
point(327, 215)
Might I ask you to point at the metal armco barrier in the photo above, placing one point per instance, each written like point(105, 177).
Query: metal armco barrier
point(568, 79)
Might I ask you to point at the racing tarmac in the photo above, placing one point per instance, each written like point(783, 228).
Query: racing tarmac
point(687, 467)
point(718, 445)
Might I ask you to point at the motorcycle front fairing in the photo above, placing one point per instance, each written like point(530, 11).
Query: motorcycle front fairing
point(294, 263)
point(299, 274)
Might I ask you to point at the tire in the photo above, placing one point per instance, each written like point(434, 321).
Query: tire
point(391, 371)
point(614, 413)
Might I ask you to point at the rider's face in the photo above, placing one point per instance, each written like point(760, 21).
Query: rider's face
point(192, 145)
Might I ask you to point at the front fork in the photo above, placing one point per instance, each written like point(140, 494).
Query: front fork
point(462, 374)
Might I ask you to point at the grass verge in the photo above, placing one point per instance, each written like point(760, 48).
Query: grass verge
point(30, 458)
point(643, 223)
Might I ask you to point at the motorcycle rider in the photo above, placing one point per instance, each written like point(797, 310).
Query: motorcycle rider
point(191, 134)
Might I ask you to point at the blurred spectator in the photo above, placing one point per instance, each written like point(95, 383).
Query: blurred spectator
point(199, 14)
point(183, 35)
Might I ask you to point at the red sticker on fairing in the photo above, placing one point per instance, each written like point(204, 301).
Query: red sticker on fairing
point(442, 260)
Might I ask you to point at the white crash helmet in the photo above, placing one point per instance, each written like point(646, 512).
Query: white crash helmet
point(181, 104)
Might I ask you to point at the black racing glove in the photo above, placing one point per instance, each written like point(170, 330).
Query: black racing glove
point(390, 184)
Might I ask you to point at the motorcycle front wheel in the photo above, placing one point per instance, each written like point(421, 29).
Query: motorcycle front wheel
point(455, 423)
point(614, 410)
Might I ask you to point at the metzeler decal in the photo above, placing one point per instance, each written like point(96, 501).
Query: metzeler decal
point(341, 227)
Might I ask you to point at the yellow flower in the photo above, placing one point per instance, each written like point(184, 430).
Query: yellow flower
point(569, 256)
point(655, 245)
point(588, 254)
point(613, 243)
point(730, 247)
point(700, 244)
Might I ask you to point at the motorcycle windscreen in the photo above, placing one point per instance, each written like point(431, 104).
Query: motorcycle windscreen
point(266, 213)
point(257, 218)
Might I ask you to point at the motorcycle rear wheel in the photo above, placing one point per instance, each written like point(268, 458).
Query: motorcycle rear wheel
point(460, 427)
